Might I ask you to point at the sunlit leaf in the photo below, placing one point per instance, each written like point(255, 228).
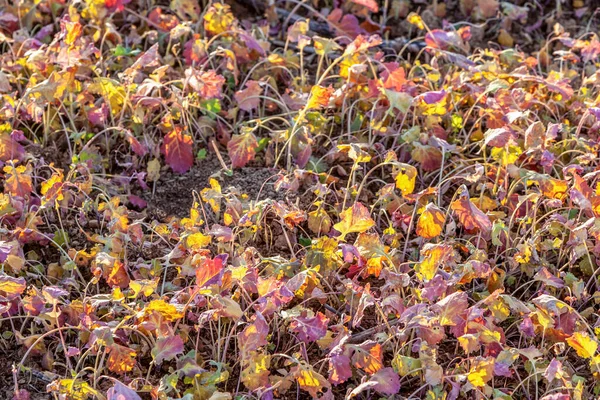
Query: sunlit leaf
point(354, 220)
point(406, 179)
point(431, 222)
point(584, 345)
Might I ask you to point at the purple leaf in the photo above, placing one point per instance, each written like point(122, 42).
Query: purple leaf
point(387, 380)
point(121, 392)
point(310, 329)
point(137, 201)
point(434, 97)
point(255, 334)
point(167, 348)
point(339, 364)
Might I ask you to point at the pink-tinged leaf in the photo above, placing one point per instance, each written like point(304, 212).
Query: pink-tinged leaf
point(73, 351)
point(370, 4)
point(346, 25)
point(451, 307)
point(194, 50)
point(242, 149)
point(251, 43)
point(366, 300)
point(591, 51)
point(429, 157)
point(394, 77)
point(121, 392)
point(543, 275)
point(167, 348)
point(439, 39)
point(385, 381)
point(553, 371)
point(362, 43)
point(471, 217)
point(557, 396)
point(98, 115)
point(248, 99)
point(149, 58)
point(10, 149)
point(208, 84)
point(254, 335)
point(177, 149)
point(498, 137)
point(221, 233)
point(310, 329)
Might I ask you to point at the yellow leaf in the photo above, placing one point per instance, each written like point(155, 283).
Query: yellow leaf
point(256, 374)
point(197, 241)
point(319, 97)
point(583, 344)
point(218, 19)
point(433, 255)
point(481, 371)
point(354, 220)
point(212, 195)
point(406, 178)
point(144, 286)
point(168, 311)
point(431, 222)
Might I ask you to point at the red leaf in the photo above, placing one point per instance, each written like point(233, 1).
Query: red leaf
point(177, 149)
point(209, 271)
point(242, 149)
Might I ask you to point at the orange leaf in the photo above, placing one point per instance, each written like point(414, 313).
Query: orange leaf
point(369, 357)
point(319, 97)
point(18, 180)
point(121, 359)
point(431, 222)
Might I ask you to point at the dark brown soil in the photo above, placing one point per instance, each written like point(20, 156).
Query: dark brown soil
point(35, 386)
point(174, 193)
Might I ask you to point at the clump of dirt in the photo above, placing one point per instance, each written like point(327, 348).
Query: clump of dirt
point(174, 193)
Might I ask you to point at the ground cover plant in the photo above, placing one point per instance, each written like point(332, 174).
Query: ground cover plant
point(294, 199)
